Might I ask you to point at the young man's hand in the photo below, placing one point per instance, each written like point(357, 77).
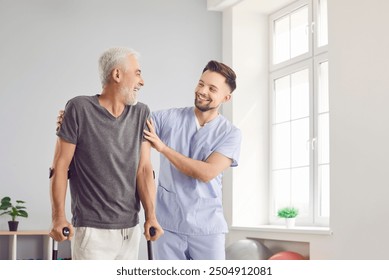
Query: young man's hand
point(59, 119)
point(153, 138)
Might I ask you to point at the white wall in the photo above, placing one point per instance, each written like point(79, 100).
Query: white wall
point(359, 98)
point(48, 54)
point(250, 114)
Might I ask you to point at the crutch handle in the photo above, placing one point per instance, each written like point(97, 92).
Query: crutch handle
point(149, 245)
point(152, 231)
point(65, 232)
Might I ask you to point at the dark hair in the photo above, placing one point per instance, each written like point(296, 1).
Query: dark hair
point(224, 70)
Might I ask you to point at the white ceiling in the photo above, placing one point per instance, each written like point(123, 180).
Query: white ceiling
point(259, 6)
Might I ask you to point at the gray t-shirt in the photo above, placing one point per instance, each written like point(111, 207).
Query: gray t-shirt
point(103, 169)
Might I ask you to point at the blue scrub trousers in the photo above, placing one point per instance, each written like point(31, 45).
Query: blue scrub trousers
point(175, 246)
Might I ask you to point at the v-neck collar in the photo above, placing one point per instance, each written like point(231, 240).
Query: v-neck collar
point(206, 124)
point(108, 113)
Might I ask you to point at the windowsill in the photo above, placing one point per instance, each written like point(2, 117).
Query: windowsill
point(283, 229)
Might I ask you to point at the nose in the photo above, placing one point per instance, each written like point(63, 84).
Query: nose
point(202, 91)
point(141, 82)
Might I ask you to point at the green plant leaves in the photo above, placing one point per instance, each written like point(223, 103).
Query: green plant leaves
point(5, 203)
point(13, 210)
point(288, 212)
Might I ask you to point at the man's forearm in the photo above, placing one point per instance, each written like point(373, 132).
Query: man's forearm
point(196, 169)
point(63, 155)
point(58, 187)
point(147, 191)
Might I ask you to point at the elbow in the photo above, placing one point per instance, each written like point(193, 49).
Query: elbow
point(205, 174)
point(206, 177)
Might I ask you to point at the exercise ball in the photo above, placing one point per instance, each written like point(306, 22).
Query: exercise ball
point(247, 249)
point(287, 255)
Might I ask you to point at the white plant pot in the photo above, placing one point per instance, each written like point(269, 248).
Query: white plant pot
point(290, 222)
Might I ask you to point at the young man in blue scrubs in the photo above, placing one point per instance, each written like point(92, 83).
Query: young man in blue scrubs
point(196, 145)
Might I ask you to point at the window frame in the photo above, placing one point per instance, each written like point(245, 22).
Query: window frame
point(306, 64)
point(316, 13)
point(318, 220)
point(311, 61)
point(281, 13)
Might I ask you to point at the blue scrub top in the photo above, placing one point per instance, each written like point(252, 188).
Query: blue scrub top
point(186, 205)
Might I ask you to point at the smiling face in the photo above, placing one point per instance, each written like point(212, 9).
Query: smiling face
point(211, 91)
point(132, 81)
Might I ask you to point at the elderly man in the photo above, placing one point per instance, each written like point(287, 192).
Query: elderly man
point(101, 144)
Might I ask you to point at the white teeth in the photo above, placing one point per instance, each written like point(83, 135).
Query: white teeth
point(201, 98)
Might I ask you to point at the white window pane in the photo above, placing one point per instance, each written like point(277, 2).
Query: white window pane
point(281, 146)
point(300, 155)
point(300, 94)
point(281, 40)
point(324, 139)
point(300, 189)
point(323, 87)
point(281, 183)
point(299, 144)
point(323, 23)
point(299, 32)
point(324, 190)
point(282, 99)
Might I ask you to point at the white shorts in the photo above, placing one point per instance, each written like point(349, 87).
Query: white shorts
point(175, 246)
point(106, 244)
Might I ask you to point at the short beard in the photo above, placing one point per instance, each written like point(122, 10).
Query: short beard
point(204, 108)
point(130, 96)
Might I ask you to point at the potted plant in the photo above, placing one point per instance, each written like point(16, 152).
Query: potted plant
point(14, 211)
point(289, 214)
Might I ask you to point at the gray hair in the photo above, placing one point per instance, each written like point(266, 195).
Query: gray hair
point(111, 58)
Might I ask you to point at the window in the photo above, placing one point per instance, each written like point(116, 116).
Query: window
point(299, 154)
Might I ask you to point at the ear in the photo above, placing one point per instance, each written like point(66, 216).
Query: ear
point(116, 75)
point(227, 97)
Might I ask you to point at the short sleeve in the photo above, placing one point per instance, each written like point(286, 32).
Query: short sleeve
point(69, 127)
point(230, 147)
point(148, 116)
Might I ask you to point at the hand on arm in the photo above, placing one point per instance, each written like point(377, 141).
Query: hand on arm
point(59, 119)
point(63, 155)
point(201, 170)
point(147, 192)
